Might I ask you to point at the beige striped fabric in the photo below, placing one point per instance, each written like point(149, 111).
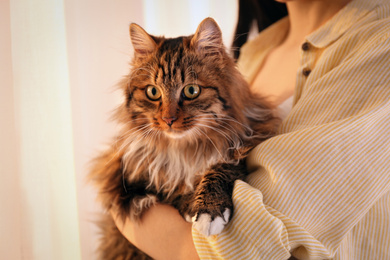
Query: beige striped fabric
point(320, 189)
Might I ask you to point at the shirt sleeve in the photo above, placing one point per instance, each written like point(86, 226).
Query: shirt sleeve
point(315, 181)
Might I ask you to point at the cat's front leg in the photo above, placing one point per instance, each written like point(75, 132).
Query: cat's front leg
point(134, 199)
point(212, 205)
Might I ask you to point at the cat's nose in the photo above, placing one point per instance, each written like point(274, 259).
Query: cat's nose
point(169, 120)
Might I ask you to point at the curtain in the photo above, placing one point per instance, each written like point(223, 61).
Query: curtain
point(41, 190)
point(60, 62)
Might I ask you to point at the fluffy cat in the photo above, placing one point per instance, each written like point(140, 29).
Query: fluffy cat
point(189, 120)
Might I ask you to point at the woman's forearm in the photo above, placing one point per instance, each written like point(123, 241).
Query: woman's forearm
point(162, 233)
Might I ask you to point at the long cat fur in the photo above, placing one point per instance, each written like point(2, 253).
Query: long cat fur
point(191, 164)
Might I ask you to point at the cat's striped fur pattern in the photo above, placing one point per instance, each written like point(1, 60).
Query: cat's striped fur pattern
point(189, 120)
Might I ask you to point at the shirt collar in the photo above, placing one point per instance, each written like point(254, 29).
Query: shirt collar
point(341, 22)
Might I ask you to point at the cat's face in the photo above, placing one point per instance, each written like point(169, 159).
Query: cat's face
point(177, 87)
point(177, 107)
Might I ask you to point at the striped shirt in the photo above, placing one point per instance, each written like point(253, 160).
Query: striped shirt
point(321, 188)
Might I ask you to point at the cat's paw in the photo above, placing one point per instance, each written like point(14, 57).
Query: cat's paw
point(208, 225)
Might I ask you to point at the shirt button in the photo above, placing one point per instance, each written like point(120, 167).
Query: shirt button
point(306, 72)
point(305, 46)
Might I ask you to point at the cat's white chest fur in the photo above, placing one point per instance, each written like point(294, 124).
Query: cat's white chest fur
point(171, 165)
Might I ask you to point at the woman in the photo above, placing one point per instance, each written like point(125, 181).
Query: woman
point(320, 189)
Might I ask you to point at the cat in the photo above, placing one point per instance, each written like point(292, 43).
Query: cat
point(189, 120)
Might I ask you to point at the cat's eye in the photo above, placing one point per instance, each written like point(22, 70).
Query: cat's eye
point(153, 92)
point(191, 91)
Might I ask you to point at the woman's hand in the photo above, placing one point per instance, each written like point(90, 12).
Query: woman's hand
point(162, 233)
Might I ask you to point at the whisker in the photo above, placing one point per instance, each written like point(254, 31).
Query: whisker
point(146, 135)
point(129, 139)
point(126, 134)
point(230, 119)
point(222, 122)
point(125, 143)
point(216, 130)
point(231, 129)
point(235, 143)
point(196, 140)
point(131, 131)
point(212, 144)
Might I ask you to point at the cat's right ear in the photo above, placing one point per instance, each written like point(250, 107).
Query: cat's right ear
point(143, 43)
point(208, 38)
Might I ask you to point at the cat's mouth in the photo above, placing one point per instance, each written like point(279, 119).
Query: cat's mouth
point(175, 129)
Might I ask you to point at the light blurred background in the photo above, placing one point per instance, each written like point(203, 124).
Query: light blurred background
point(59, 63)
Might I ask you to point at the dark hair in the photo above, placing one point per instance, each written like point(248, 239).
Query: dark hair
point(262, 12)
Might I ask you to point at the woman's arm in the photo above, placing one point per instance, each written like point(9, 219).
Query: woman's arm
point(322, 188)
point(162, 233)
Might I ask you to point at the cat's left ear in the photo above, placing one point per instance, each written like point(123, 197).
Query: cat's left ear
point(142, 42)
point(208, 38)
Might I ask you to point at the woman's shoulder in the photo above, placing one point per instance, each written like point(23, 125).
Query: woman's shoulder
point(357, 31)
point(359, 22)
point(369, 35)
point(375, 26)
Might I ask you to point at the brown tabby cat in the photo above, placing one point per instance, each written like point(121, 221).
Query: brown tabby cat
point(189, 120)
